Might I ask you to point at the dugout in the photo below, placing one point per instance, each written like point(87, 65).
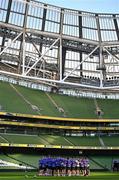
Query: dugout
point(115, 165)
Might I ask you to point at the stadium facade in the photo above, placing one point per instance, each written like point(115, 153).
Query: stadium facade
point(60, 48)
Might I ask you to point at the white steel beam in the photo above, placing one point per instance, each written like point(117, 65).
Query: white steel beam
point(111, 54)
point(56, 81)
point(60, 49)
point(109, 65)
point(41, 57)
point(56, 35)
point(80, 63)
point(11, 26)
point(23, 51)
point(101, 63)
point(40, 54)
point(67, 37)
point(9, 44)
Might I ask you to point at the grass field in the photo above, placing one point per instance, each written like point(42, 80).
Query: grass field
point(24, 176)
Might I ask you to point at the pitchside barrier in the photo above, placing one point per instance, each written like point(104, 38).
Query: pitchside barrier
point(56, 146)
point(9, 123)
point(10, 115)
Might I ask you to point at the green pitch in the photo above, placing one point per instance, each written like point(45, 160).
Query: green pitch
point(24, 176)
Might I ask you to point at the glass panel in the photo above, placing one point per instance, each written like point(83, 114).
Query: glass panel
point(4, 4)
point(90, 34)
point(16, 19)
point(71, 19)
point(108, 35)
point(89, 22)
point(51, 27)
point(53, 16)
point(35, 11)
point(117, 17)
point(106, 23)
point(18, 7)
point(71, 30)
point(34, 23)
point(3, 15)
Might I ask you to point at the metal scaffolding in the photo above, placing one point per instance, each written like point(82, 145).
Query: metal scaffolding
point(56, 45)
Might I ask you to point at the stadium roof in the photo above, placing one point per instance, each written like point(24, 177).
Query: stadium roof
point(58, 45)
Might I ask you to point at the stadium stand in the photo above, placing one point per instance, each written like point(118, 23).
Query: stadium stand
point(106, 106)
point(59, 140)
point(84, 141)
point(59, 51)
point(73, 107)
point(111, 141)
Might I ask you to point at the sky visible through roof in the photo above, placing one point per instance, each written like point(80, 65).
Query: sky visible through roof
point(99, 6)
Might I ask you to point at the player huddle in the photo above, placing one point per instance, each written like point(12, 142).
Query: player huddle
point(64, 167)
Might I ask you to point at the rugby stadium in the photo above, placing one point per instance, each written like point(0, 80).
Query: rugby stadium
point(59, 92)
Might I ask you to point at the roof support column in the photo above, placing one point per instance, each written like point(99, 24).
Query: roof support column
point(80, 36)
point(100, 66)
point(11, 43)
point(22, 45)
point(62, 51)
point(101, 59)
point(43, 24)
point(6, 21)
point(116, 26)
